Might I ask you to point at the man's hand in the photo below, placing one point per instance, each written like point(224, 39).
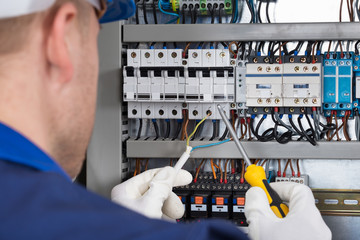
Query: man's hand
point(302, 222)
point(150, 193)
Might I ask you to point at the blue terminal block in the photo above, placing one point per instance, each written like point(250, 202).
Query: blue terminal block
point(338, 84)
point(356, 89)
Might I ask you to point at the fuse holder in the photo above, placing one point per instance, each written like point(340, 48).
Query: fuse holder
point(240, 201)
point(199, 200)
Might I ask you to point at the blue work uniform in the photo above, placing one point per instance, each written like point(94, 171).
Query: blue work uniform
point(39, 201)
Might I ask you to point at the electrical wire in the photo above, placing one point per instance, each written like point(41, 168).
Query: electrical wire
point(221, 171)
point(267, 11)
point(286, 166)
point(336, 124)
point(196, 127)
point(211, 144)
point(225, 171)
point(167, 133)
point(345, 129)
point(154, 11)
point(214, 130)
point(178, 129)
point(140, 129)
point(145, 14)
point(137, 14)
point(221, 6)
point(212, 168)
point(156, 127)
point(298, 168)
point(357, 124)
point(165, 12)
point(304, 133)
point(259, 12)
point(251, 11)
point(198, 170)
point(279, 168)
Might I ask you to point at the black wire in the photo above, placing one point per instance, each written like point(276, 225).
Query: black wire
point(305, 134)
point(145, 15)
point(357, 47)
point(319, 46)
point(224, 44)
point(259, 12)
point(283, 138)
point(212, 13)
point(154, 11)
point(251, 11)
point(311, 127)
point(221, 6)
point(137, 14)
point(294, 127)
point(195, 13)
point(183, 13)
point(140, 129)
point(156, 127)
point(191, 13)
point(266, 136)
point(178, 130)
point(267, 11)
point(199, 131)
point(167, 133)
point(233, 11)
point(214, 131)
point(224, 135)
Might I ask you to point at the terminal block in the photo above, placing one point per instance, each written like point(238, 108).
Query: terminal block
point(303, 179)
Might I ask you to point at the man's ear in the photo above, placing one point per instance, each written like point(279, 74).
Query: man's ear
point(58, 42)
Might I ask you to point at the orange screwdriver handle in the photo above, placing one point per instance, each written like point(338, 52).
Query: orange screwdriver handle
point(255, 176)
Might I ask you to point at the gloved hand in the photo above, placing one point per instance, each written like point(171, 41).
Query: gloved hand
point(150, 193)
point(302, 222)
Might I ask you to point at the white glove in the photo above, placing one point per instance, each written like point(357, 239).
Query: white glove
point(302, 222)
point(150, 193)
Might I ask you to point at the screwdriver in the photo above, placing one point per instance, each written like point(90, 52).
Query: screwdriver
point(255, 175)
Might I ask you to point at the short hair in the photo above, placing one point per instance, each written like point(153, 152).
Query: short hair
point(14, 31)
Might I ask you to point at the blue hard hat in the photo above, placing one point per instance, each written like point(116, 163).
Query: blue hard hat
point(118, 10)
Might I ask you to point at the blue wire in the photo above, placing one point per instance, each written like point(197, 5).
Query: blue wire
point(210, 145)
point(168, 13)
point(173, 20)
point(236, 11)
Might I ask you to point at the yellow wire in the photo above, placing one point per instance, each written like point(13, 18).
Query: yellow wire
point(178, 21)
point(188, 139)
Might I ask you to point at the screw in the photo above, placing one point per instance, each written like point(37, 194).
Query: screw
point(184, 105)
point(266, 60)
point(277, 101)
point(348, 63)
point(222, 54)
point(268, 69)
point(266, 110)
point(341, 62)
point(357, 59)
point(227, 5)
point(208, 112)
point(208, 55)
point(348, 105)
point(147, 54)
point(296, 68)
point(356, 67)
point(255, 110)
point(161, 112)
point(195, 113)
point(203, 5)
point(133, 54)
point(333, 63)
point(302, 110)
point(306, 69)
point(342, 113)
point(292, 59)
point(314, 69)
point(259, 101)
point(255, 60)
point(302, 59)
point(328, 112)
point(232, 62)
point(268, 100)
point(259, 69)
point(240, 104)
point(161, 55)
point(232, 105)
point(277, 69)
point(291, 110)
point(194, 55)
point(184, 62)
point(314, 101)
point(277, 59)
point(355, 104)
point(296, 101)
point(173, 54)
point(305, 100)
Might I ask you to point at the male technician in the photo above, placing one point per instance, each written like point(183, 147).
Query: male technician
point(48, 84)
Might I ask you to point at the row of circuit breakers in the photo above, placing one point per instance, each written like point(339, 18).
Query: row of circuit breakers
point(159, 83)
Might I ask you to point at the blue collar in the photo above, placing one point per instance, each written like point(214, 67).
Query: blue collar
point(15, 148)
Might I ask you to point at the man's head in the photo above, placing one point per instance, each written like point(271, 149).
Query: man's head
point(48, 76)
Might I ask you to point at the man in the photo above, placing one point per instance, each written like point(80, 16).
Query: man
point(48, 79)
